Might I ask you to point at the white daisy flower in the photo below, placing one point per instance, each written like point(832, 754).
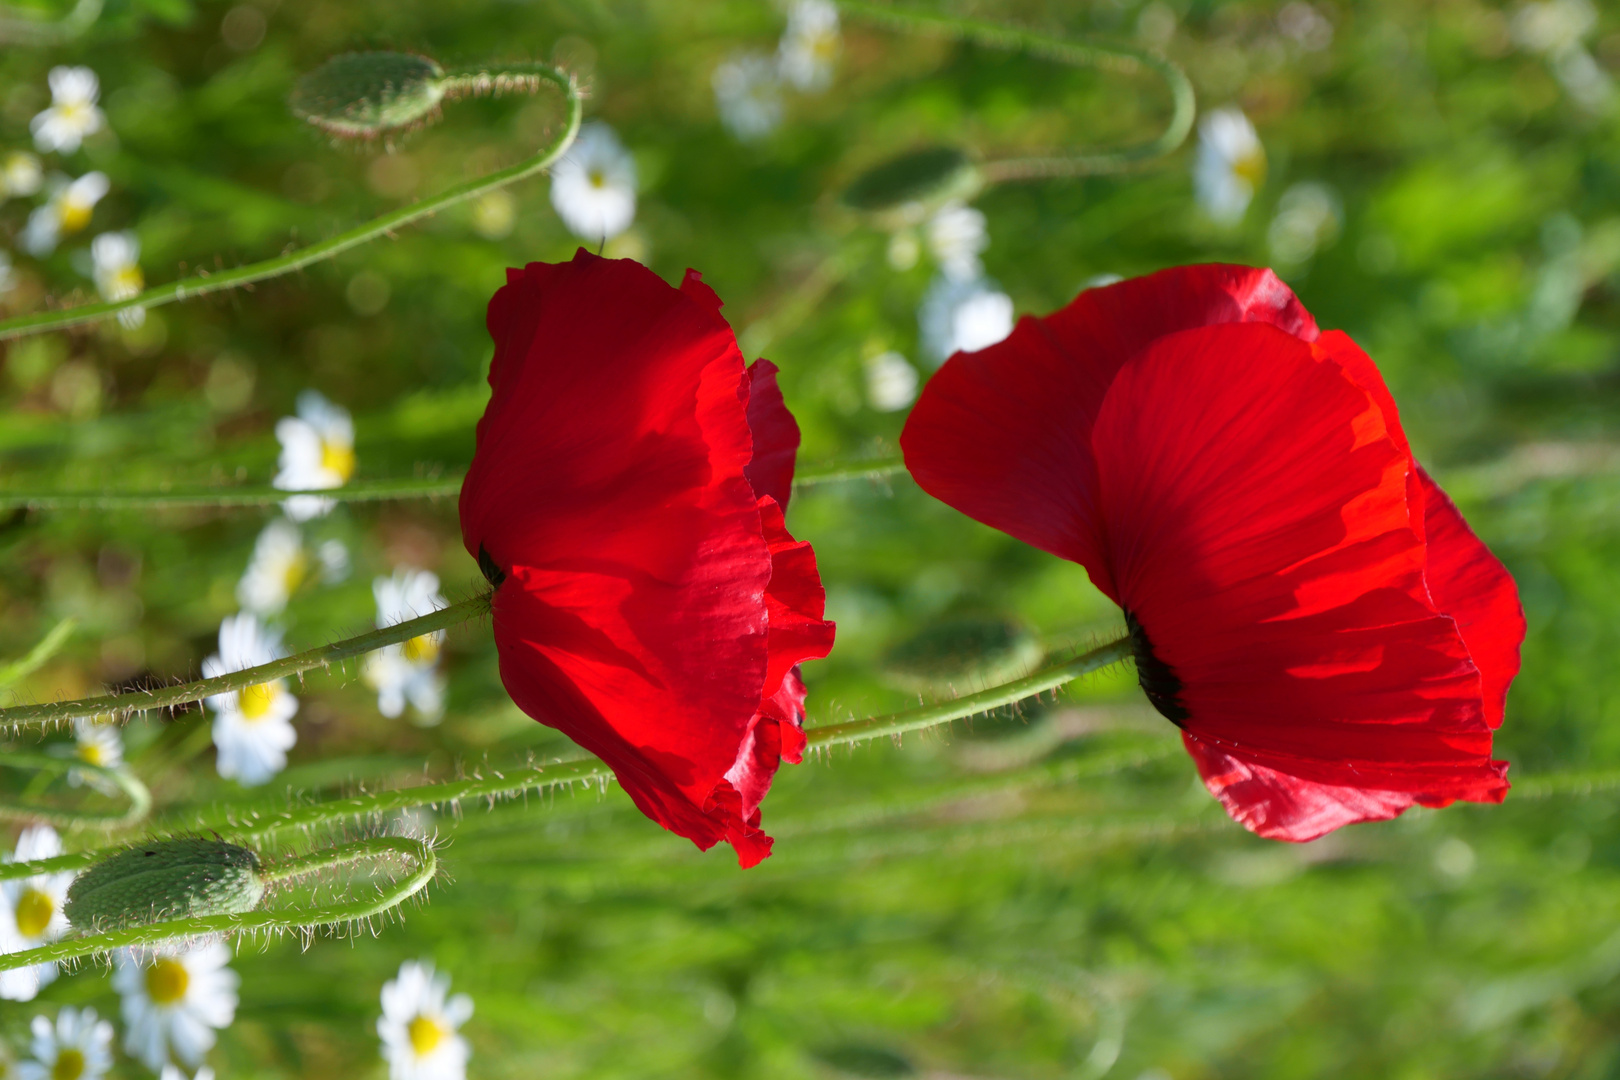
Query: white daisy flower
point(174, 1001)
point(77, 1047)
point(748, 93)
point(96, 744)
point(956, 236)
point(66, 211)
point(1230, 164)
point(1309, 217)
point(116, 257)
point(593, 187)
point(810, 45)
point(20, 175)
point(408, 671)
point(317, 451)
point(419, 1026)
point(280, 564)
point(961, 316)
point(253, 727)
point(891, 382)
point(73, 113)
point(31, 912)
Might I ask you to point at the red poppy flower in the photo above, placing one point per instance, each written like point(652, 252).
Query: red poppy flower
point(626, 501)
point(1303, 601)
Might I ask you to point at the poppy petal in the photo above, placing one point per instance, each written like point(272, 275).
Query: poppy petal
point(1258, 533)
point(1004, 434)
point(609, 487)
point(1282, 807)
point(776, 435)
point(794, 599)
point(1472, 586)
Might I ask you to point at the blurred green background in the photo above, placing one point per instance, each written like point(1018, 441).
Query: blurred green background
point(1043, 894)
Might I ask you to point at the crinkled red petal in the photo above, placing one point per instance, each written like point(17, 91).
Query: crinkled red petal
point(776, 435)
point(609, 485)
point(1473, 587)
point(1256, 515)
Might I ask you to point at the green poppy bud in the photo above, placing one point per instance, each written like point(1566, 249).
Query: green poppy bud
point(363, 95)
point(165, 879)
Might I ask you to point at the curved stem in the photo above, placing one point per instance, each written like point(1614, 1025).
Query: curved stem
point(123, 705)
point(537, 777)
point(140, 799)
point(1116, 58)
point(304, 919)
point(202, 283)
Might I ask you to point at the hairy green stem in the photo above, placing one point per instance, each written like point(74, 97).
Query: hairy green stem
point(300, 919)
point(1115, 58)
point(927, 716)
point(140, 799)
point(134, 701)
point(541, 776)
point(203, 283)
point(435, 487)
point(836, 471)
point(422, 487)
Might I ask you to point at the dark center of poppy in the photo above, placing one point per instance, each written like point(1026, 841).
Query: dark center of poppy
point(491, 571)
point(1159, 683)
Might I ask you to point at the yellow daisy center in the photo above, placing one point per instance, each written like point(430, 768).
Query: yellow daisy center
point(1251, 167)
point(422, 650)
point(296, 571)
point(824, 46)
point(426, 1033)
point(337, 458)
point(92, 753)
point(75, 214)
point(126, 281)
point(69, 1064)
point(256, 701)
point(597, 178)
point(167, 980)
point(34, 911)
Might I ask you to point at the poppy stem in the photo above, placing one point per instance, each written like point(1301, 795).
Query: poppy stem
point(303, 919)
point(383, 225)
point(927, 716)
point(244, 495)
point(542, 776)
point(1114, 58)
point(360, 491)
point(123, 705)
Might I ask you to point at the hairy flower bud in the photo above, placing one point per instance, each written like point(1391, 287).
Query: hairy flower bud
point(165, 879)
point(363, 95)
